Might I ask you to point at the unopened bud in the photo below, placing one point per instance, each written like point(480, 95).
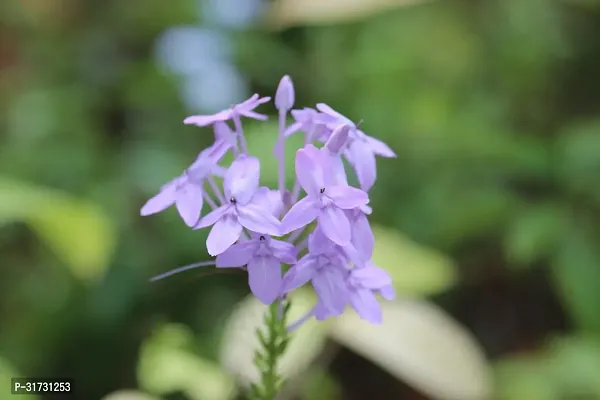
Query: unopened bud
point(338, 139)
point(284, 97)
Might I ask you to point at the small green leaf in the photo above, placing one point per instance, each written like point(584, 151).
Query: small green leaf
point(239, 341)
point(76, 230)
point(414, 269)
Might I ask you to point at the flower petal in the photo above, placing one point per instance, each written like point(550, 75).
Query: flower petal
point(371, 277)
point(212, 217)
point(318, 243)
point(366, 305)
point(225, 232)
point(309, 170)
point(241, 180)
point(254, 115)
point(338, 171)
point(301, 214)
point(163, 200)
point(299, 274)
point(362, 236)
point(259, 220)
point(237, 255)
point(338, 139)
point(380, 148)
point(264, 278)
point(189, 203)
point(331, 289)
point(338, 118)
point(388, 292)
point(269, 200)
point(283, 251)
point(205, 120)
point(321, 313)
point(347, 197)
point(335, 225)
point(363, 160)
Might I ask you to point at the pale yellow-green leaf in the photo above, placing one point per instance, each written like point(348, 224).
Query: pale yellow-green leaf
point(240, 341)
point(168, 365)
point(421, 345)
point(129, 395)
point(8, 371)
point(285, 13)
point(76, 230)
point(415, 269)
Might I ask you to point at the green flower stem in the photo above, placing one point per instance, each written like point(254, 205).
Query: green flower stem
point(274, 340)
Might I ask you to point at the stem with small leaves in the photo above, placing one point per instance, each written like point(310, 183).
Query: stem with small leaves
point(273, 339)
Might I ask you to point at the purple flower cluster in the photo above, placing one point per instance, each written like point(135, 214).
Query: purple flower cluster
point(324, 237)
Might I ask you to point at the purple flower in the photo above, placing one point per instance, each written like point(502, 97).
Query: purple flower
point(363, 283)
point(362, 237)
point(326, 266)
point(185, 191)
point(264, 257)
point(244, 109)
point(361, 149)
point(326, 198)
point(307, 120)
point(240, 184)
point(284, 97)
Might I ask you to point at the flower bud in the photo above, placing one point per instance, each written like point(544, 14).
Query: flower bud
point(284, 97)
point(338, 139)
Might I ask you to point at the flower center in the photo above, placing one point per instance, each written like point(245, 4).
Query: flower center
point(261, 238)
point(322, 190)
point(232, 200)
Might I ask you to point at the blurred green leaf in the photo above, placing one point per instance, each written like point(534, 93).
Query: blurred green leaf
point(239, 339)
point(576, 366)
point(578, 161)
point(534, 233)
point(567, 368)
point(576, 273)
point(261, 144)
point(129, 395)
point(414, 269)
point(320, 385)
point(76, 230)
point(7, 371)
point(524, 377)
point(167, 365)
point(421, 345)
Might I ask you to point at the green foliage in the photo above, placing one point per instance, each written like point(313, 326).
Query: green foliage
point(491, 106)
point(567, 368)
point(168, 365)
point(76, 230)
point(274, 340)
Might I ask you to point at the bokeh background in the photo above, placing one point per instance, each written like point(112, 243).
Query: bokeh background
point(488, 220)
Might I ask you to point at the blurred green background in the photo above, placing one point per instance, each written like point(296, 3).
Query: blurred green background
point(488, 220)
